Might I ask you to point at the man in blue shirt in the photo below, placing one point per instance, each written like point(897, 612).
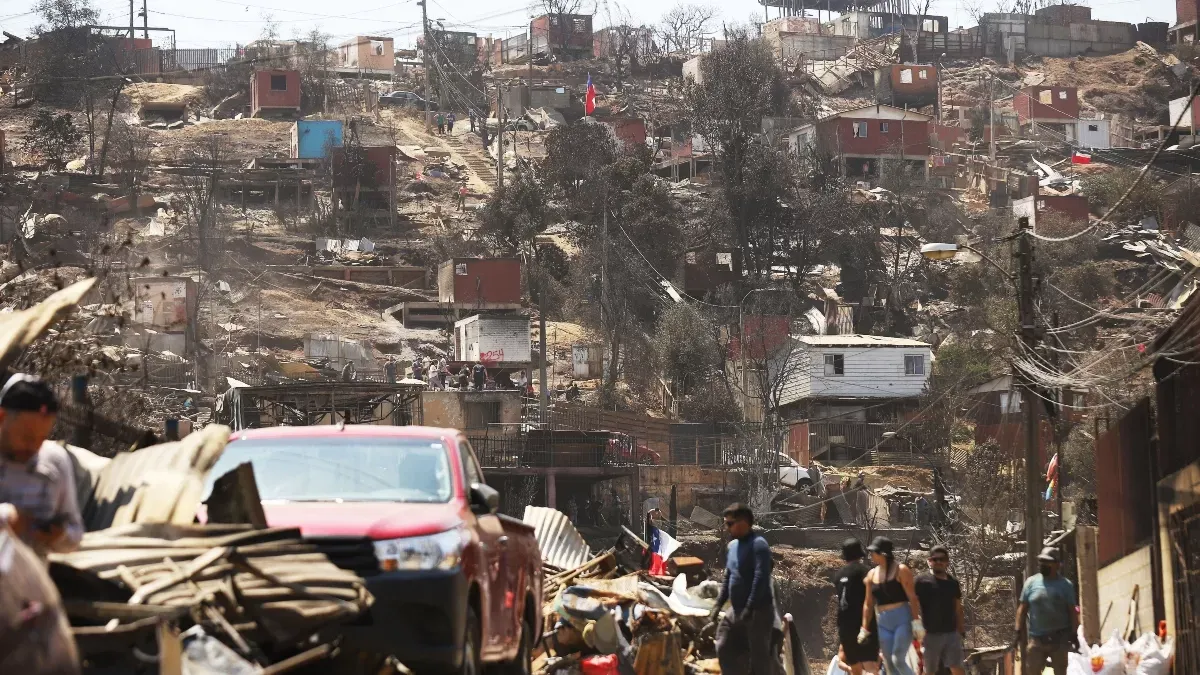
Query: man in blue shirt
point(1047, 613)
point(748, 637)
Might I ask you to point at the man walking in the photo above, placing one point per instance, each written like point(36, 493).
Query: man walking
point(450, 123)
point(479, 373)
point(851, 589)
point(471, 117)
point(941, 608)
point(441, 124)
point(37, 479)
point(748, 637)
point(1047, 615)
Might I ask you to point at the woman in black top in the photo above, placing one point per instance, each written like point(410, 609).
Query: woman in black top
point(850, 584)
point(892, 597)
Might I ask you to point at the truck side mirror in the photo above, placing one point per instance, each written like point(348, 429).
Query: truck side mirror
point(484, 498)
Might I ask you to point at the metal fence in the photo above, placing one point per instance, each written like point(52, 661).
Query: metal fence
point(1179, 502)
point(198, 59)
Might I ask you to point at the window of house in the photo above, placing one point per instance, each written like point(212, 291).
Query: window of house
point(279, 83)
point(1010, 402)
point(929, 25)
point(1046, 97)
point(876, 22)
point(1093, 127)
point(860, 129)
point(482, 413)
point(883, 127)
point(835, 364)
point(578, 25)
point(1062, 95)
point(923, 74)
point(914, 364)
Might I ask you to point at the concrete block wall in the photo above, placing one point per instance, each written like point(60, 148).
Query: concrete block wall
point(814, 47)
point(1116, 582)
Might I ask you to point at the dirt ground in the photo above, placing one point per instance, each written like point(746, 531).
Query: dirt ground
point(1127, 83)
point(163, 92)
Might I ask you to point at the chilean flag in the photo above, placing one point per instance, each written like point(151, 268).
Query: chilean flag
point(589, 99)
point(662, 545)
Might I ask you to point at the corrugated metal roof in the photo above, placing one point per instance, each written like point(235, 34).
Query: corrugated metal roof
point(559, 541)
point(858, 341)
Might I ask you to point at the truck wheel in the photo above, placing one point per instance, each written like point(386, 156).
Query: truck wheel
point(471, 637)
point(522, 664)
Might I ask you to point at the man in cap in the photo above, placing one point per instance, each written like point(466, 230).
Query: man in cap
point(37, 479)
point(851, 590)
point(1047, 616)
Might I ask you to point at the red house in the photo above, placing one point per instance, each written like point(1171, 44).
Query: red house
point(275, 92)
point(858, 139)
point(630, 130)
point(562, 34)
point(1047, 105)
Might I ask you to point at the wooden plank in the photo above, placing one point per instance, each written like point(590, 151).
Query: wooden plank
point(1087, 555)
point(170, 650)
point(192, 568)
point(303, 658)
point(235, 499)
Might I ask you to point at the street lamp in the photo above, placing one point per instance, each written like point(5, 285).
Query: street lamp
point(1027, 332)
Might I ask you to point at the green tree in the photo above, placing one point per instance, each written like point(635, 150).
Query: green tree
point(740, 84)
point(52, 137)
point(685, 346)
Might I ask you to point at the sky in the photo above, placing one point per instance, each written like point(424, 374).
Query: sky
point(226, 23)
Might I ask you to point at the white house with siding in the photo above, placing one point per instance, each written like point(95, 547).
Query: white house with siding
point(852, 371)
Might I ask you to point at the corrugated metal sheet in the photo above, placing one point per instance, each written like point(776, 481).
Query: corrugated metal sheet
point(19, 329)
point(558, 540)
point(1124, 484)
point(159, 484)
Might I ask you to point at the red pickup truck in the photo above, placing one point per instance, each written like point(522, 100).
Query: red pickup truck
point(456, 585)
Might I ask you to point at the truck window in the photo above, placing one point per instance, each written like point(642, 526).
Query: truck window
point(471, 471)
point(343, 468)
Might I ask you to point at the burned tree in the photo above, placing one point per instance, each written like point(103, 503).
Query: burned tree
point(683, 28)
point(199, 194)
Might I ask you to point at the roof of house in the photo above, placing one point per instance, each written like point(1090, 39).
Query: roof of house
point(879, 111)
point(859, 341)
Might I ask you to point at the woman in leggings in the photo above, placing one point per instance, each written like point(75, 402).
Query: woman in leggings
point(892, 597)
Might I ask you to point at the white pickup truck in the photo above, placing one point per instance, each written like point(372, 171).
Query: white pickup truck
point(792, 475)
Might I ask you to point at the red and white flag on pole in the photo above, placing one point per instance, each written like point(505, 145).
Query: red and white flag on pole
point(662, 545)
point(1081, 158)
point(589, 99)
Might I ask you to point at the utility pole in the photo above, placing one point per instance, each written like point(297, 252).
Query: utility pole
point(991, 122)
point(499, 136)
point(425, 56)
point(1028, 334)
point(131, 25)
point(544, 388)
point(529, 53)
point(145, 21)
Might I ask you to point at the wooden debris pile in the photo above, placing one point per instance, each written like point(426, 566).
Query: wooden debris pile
point(264, 594)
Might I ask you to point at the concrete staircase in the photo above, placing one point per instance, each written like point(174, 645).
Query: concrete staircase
point(482, 166)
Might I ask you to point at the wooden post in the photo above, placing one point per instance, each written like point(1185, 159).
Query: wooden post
point(170, 649)
point(551, 490)
point(1087, 556)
